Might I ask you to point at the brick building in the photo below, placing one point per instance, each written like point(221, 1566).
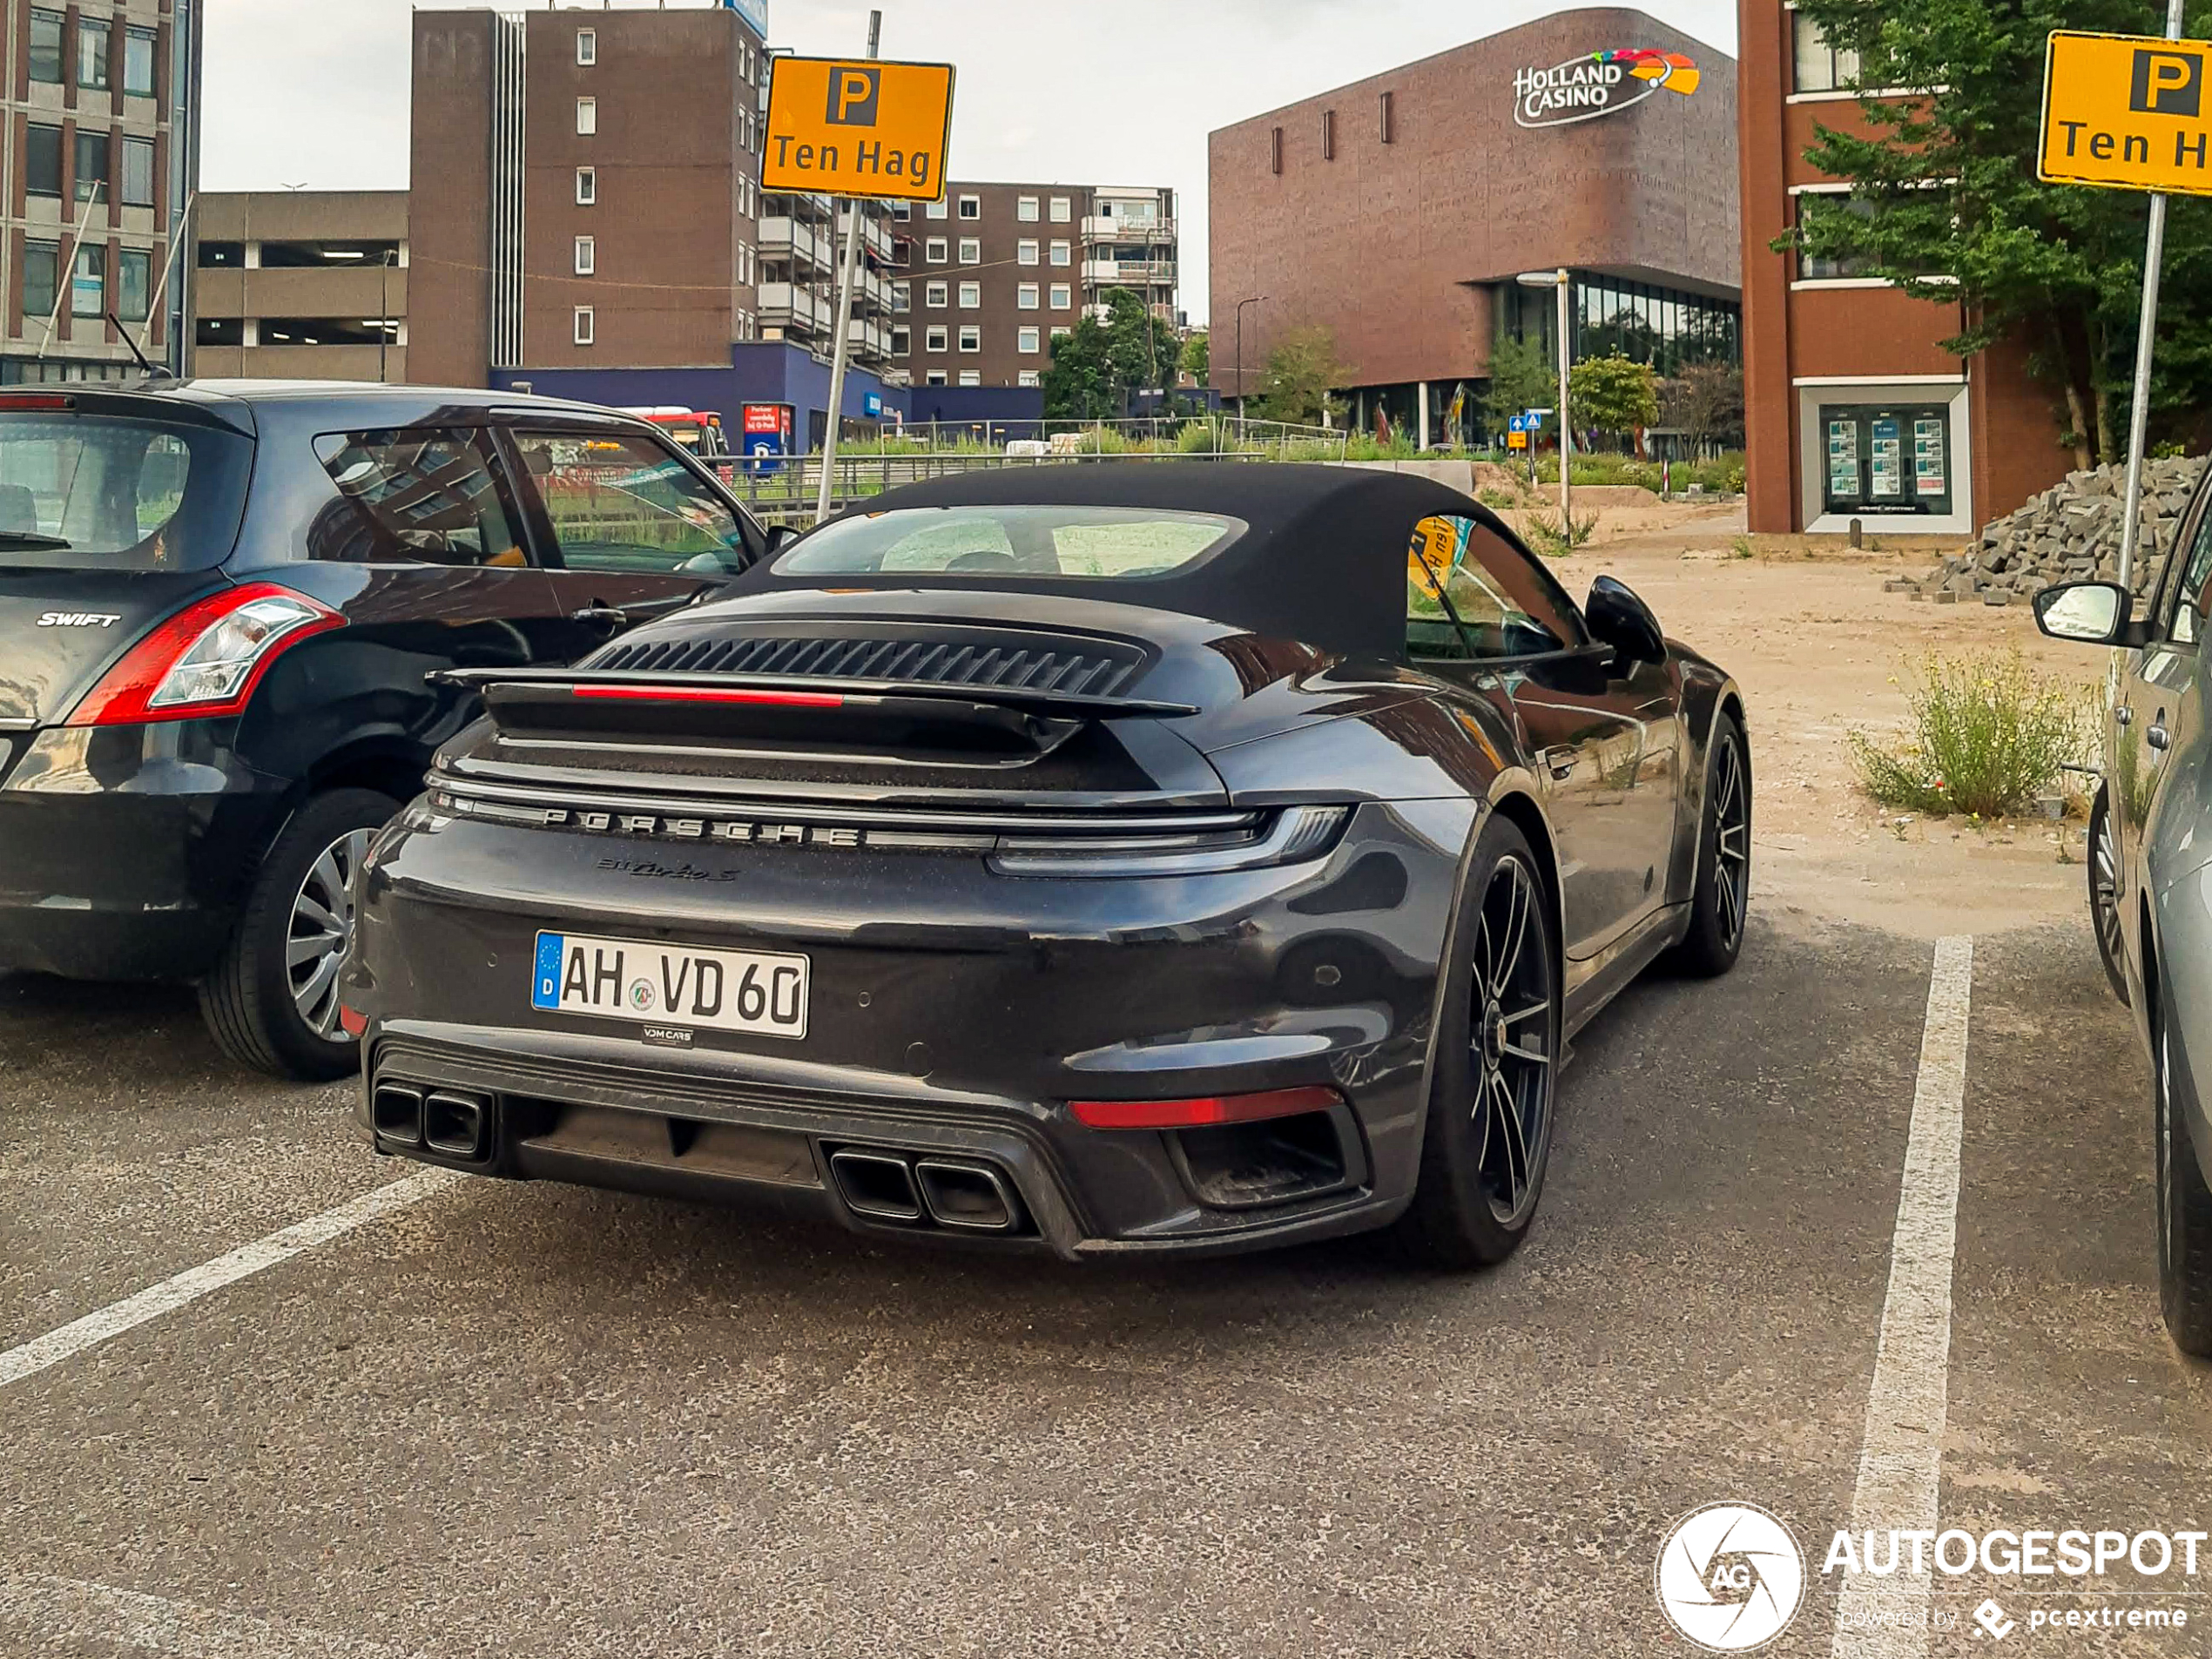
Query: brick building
point(1397, 211)
point(300, 285)
point(587, 209)
point(987, 277)
point(1853, 407)
point(102, 156)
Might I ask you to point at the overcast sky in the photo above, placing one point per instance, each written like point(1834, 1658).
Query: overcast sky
point(314, 92)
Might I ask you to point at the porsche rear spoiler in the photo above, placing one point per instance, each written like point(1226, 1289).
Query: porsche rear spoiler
point(788, 710)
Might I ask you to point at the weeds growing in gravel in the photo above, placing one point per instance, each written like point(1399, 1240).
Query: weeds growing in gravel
point(1542, 533)
point(1987, 738)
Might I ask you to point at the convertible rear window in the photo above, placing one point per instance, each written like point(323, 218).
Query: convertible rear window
point(1109, 544)
point(97, 492)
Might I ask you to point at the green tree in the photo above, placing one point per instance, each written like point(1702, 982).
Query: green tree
point(1613, 393)
point(1523, 376)
point(1097, 369)
point(1300, 371)
point(1945, 203)
point(1197, 356)
point(1706, 400)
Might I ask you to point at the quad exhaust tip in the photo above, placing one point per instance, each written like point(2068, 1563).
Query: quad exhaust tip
point(908, 1189)
point(397, 1112)
point(453, 1125)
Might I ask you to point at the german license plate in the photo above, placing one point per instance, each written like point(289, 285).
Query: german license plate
point(670, 985)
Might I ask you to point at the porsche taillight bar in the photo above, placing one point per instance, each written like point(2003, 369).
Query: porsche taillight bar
point(645, 685)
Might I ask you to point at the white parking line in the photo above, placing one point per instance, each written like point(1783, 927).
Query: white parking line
point(194, 1282)
point(1900, 1459)
point(57, 1610)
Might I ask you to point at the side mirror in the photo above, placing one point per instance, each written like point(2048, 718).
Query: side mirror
point(2089, 613)
point(1618, 618)
point(781, 536)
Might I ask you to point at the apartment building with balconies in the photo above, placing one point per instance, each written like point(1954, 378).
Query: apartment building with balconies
point(97, 175)
point(984, 279)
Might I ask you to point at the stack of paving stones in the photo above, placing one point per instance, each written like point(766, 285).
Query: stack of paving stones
point(2069, 533)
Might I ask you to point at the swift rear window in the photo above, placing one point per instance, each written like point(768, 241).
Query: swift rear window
point(98, 492)
point(1104, 544)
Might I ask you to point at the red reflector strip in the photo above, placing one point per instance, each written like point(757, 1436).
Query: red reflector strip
point(1196, 1114)
point(691, 694)
point(353, 1024)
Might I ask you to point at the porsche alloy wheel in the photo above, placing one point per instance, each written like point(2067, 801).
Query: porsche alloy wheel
point(1723, 897)
point(1494, 1080)
point(2104, 892)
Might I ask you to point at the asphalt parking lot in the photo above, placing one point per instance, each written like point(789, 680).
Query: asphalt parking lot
point(537, 1420)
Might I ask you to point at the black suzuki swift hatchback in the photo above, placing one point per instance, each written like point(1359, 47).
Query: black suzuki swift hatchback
point(218, 605)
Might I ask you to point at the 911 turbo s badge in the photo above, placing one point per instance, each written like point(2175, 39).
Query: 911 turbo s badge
point(79, 619)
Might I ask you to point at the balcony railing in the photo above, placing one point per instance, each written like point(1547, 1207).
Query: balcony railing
point(1102, 228)
point(1135, 271)
point(789, 305)
point(785, 238)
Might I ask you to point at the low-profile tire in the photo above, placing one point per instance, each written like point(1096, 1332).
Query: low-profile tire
point(272, 999)
point(2104, 893)
point(1494, 1082)
point(1723, 897)
point(2184, 1203)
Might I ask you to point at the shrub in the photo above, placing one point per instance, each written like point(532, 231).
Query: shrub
point(1206, 438)
point(1986, 737)
point(1542, 533)
point(1495, 499)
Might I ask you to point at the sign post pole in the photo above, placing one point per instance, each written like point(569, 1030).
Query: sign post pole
point(848, 272)
point(2146, 336)
point(1566, 430)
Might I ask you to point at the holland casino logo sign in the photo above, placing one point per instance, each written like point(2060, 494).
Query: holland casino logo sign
point(1605, 83)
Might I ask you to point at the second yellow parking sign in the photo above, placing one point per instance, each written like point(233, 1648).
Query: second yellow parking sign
point(846, 127)
point(2126, 111)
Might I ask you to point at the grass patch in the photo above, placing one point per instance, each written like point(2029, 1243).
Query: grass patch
point(1987, 738)
point(1543, 532)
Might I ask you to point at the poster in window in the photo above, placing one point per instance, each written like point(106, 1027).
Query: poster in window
point(1928, 459)
point(1889, 459)
point(1842, 460)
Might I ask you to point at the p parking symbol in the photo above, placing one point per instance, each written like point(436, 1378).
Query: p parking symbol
point(853, 94)
point(2168, 83)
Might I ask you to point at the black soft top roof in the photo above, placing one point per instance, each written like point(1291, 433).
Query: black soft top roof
point(1322, 560)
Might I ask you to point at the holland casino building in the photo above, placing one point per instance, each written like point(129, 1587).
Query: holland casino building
point(1397, 211)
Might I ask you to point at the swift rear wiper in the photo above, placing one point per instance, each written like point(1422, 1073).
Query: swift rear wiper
point(32, 538)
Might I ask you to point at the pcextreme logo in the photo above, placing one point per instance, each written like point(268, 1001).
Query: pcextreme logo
point(1605, 83)
point(1731, 1577)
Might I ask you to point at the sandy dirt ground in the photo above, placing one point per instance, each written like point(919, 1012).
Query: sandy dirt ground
point(1819, 648)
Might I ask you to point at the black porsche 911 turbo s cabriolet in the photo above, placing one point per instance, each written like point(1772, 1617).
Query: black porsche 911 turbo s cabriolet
point(1117, 857)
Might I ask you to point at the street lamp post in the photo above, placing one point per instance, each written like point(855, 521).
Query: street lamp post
point(1561, 280)
point(1241, 304)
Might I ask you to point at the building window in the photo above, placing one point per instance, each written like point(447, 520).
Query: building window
point(1025, 297)
point(971, 208)
point(1830, 205)
point(936, 337)
point(971, 251)
point(1062, 210)
point(1061, 328)
point(587, 117)
point(1062, 296)
point(935, 377)
point(971, 296)
point(138, 62)
point(585, 329)
point(91, 165)
point(587, 256)
point(902, 296)
point(1028, 377)
point(937, 209)
point(1820, 67)
point(902, 341)
point(1025, 252)
point(936, 294)
point(46, 47)
point(971, 377)
point(88, 282)
point(137, 173)
point(587, 186)
point(220, 256)
point(1389, 102)
point(1275, 150)
point(971, 337)
point(133, 284)
point(42, 167)
point(903, 212)
point(42, 266)
point(933, 250)
point(587, 47)
point(1025, 339)
point(902, 251)
point(1025, 209)
point(1328, 135)
point(1062, 255)
point(91, 54)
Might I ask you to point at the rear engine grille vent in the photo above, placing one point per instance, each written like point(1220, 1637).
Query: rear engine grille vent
point(940, 662)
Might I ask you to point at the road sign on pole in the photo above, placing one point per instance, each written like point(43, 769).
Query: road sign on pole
point(2127, 112)
point(841, 128)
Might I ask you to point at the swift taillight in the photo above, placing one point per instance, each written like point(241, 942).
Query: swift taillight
point(206, 659)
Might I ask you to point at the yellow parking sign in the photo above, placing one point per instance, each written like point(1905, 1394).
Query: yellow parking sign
point(842, 127)
point(2126, 111)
